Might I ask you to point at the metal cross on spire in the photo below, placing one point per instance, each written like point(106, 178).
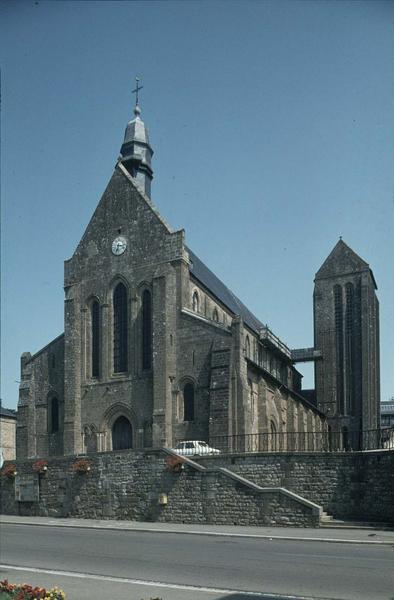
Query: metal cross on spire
point(137, 89)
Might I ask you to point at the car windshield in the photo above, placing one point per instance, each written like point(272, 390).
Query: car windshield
point(203, 443)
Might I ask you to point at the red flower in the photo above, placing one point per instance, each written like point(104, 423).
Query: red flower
point(174, 463)
point(82, 465)
point(40, 466)
point(9, 470)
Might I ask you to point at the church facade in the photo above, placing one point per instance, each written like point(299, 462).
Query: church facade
point(157, 349)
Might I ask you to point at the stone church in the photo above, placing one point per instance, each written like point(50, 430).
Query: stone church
point(157, 349)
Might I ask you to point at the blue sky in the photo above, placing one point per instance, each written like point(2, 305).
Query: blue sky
point(273, 130)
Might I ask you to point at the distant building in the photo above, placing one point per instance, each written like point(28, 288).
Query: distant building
point(387, 413)
point(7, 432)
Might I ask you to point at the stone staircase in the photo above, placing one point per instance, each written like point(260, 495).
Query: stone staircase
point(283, 494)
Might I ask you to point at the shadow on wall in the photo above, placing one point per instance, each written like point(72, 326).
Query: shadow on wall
point(168, 480)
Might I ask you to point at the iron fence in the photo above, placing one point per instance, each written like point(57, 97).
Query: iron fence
point(301, 441)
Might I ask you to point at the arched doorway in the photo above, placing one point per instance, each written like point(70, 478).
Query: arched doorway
point(122, 434)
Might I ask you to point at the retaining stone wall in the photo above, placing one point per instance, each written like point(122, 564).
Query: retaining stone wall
point(127, 485)
point(351, 486)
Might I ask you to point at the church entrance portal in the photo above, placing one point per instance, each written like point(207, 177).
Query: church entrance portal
point(122, 434)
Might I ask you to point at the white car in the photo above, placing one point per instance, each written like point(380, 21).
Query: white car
point(194, 448)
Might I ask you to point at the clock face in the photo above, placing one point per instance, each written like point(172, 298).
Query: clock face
point(119, 245)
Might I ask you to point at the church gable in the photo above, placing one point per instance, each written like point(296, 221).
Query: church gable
point(126, 231)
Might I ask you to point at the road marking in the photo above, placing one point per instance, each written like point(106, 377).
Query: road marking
point(159, 584)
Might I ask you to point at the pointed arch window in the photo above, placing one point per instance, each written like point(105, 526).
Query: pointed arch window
point(188, 402)
point(350, 348)
point(274, 438)
point(338, 312)
point(247, 347)
point(215, 315)
point(120, 328)
point(54, 421)
point(95, 337)
point(122, 434)
point(196, 302)
point(146, 330)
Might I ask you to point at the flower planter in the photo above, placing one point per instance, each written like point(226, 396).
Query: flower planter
point(9, 471)
point(40, 466)
point(81, 466)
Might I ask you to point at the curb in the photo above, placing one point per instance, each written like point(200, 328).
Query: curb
point(207, 533)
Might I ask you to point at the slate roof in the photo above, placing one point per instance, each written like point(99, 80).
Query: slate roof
point(209, 280)
point(8, 412)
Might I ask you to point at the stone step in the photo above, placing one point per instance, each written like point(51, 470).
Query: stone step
point(325, 517)
point(338, 524)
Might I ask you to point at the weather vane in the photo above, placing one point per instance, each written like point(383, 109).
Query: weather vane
point(137, 89)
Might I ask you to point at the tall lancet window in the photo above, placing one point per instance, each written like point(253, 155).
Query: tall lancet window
point(349, 347)
point(95, 337)
point(146, 330)
point(188, 402)
point(120, 328)
point(338, 308)
point(54, 423)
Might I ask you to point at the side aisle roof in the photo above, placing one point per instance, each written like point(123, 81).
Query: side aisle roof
point(209, 280)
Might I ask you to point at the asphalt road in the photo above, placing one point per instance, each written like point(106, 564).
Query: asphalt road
point(218, 564)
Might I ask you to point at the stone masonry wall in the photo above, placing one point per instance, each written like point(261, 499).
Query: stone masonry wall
point(127, 485)
point(352, 486)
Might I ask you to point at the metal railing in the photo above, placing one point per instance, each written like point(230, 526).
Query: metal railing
point(267, 335)
point(301, 441)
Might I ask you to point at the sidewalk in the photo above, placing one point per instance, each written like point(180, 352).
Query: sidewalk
point(342, 535)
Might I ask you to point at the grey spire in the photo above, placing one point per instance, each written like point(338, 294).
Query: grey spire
point(136, 152)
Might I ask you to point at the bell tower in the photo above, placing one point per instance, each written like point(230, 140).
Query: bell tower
point(346, 324)
point(136, 152)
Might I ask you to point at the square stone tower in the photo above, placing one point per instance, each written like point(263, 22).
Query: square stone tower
point(346, 329)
